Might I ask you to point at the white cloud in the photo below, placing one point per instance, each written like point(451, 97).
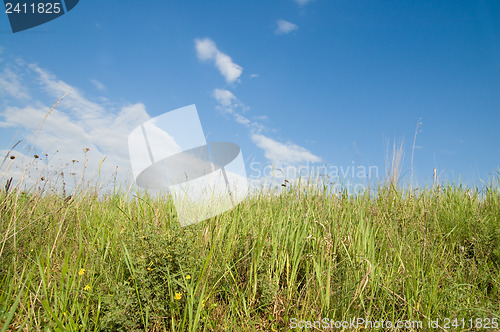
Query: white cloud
point(18, 169)
point(282, 154)
point(74, 124)
point(285, 27)
point(241, 119)
point(279, 154)
point(229, 104)
point(224, 97)
point(5, 124)
point(302, 2)
point(98, 85)
point(88, 114)
point(10, 85)
point(68, 136)
point(207, 50)
point(254, 75)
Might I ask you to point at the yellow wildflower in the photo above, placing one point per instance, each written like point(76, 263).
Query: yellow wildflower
point(178, 296)
point(81, 272)
point(87, 287)
point(188, 277)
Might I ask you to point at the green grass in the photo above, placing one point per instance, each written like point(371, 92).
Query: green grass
point(112, 262)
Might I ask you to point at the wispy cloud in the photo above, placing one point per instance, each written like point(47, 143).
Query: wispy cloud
point(98, 85)
point(207, 51)
point(89, 114)
point(283, 154)
point(229, 104)
point(242, 120)
point(75, 124)
point(285, 27)
point(224, 97)
point(10, 85)
point(275, 152)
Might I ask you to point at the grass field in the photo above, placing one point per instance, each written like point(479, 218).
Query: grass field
point(114, 262)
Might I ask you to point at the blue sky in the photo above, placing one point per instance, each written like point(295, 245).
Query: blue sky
point(292, 82)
